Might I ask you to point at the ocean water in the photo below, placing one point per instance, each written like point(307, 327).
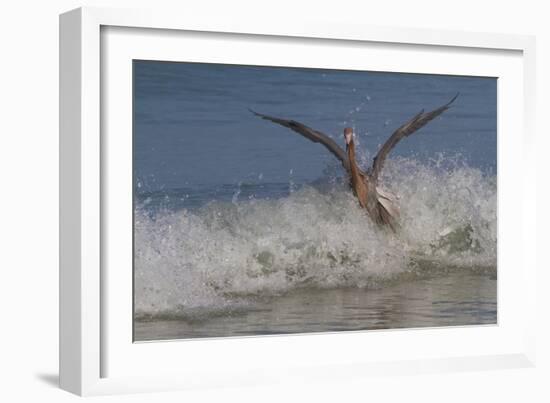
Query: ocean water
point(242, 227)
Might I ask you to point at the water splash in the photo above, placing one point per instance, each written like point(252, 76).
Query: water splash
point(291, 184)
point(223, 255)
point(237, 193)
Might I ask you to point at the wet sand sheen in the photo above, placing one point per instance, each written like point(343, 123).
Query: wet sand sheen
point(453, 299)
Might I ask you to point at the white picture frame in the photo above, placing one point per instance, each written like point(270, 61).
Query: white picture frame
point(96, 355)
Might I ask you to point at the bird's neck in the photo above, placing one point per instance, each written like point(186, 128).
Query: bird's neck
point(352, 163)
point(358, 180)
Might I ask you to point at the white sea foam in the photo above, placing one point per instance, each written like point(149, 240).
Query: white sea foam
point(220, 256)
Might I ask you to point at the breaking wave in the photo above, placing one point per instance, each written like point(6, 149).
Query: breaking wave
point(223, 255)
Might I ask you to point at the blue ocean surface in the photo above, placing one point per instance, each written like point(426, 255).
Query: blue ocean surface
point(193, 127)
point(237, 219)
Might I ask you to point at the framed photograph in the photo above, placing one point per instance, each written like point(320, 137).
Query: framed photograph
point(237, 197)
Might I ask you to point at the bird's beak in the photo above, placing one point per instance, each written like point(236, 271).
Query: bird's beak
point(349, 137)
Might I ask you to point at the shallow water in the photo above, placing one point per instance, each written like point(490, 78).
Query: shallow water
point(454, 299)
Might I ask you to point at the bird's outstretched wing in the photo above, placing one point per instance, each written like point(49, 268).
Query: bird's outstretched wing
point(417, 122)
point(311, 134)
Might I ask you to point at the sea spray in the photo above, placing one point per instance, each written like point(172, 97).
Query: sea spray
point(223, 255)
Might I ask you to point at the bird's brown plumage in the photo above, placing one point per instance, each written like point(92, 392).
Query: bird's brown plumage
point(418, 121)
point(379, 204)
point(359, 182)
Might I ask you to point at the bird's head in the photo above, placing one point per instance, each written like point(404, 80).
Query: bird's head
point(348, 135)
